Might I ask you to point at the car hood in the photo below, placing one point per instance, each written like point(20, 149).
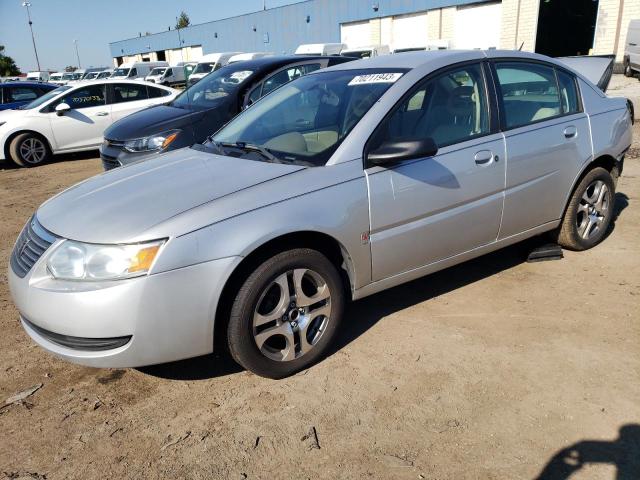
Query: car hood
point(119, 206)
point(150, 121)
point(10, 114)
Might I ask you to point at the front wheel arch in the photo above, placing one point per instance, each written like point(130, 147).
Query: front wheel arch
point(322, 242)
point(13, 135)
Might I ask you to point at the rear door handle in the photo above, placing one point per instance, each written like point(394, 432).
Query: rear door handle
point(483, 157)
point(102, 114)
point(570, 132)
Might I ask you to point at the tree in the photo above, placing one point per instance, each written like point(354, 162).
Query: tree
point(70, 68)
point(183, 20)
point(7, 65)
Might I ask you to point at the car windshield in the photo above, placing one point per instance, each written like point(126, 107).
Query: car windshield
point(210, 90)
point(157, 71)
point(55, 76)
point(104, 75)
point(91, 75)
point(67, 76)
point(121, 72)
point(204, 67)
point(44, 98)
point(304, 121)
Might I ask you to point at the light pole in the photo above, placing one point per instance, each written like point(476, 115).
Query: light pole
point(33, 39)
point(77, 55)
point(179, 39)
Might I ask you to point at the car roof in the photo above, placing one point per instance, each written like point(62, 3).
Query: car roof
point(28, 84)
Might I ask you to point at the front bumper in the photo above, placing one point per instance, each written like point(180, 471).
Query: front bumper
point(157, 318)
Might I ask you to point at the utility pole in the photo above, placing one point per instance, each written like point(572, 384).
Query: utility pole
point(33, 39)
point(77, 55)
point(179, 39)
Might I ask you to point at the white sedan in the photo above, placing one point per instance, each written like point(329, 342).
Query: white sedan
point(72, 118)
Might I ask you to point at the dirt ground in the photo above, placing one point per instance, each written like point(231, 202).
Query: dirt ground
point(489, 370)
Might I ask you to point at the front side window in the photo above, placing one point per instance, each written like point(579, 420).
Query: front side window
point(126, 92)
point(85, 97)
point(133, 72)
point(21, 94)
point(568, 92)
point(449, 108)
point(304, 121)
point(529, 92)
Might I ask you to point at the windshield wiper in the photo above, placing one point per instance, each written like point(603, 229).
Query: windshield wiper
point(249, 147)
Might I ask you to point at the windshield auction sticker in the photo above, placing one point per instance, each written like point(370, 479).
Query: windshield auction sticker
point(375, 78)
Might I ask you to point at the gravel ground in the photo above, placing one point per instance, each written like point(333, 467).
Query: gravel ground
point(495, 369)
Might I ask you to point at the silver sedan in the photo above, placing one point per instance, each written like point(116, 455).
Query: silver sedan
point(336, 186)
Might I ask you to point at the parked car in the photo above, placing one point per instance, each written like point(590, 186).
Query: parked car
point(631, 58)
point(72, 118)
point(91, 72)
point(243, 57)
point(70, 77)
point(203, 108)
point(320, 49)
point(16, 94)
point(104, 74)
point(133, 70)
point(338, 185)
point(207, 64)
point(171, 76)
point(38, 76)
point(56, 78)
point(366, 52)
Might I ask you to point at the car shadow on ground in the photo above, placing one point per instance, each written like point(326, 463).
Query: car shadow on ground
point(65, 157)
point(623, 453)
point(365, 313)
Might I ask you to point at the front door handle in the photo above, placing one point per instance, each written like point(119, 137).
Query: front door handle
point(570, 132)
point(102, 114)
point(483, 157)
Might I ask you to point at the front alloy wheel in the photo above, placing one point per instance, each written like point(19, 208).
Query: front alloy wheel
point(286, 313)
point(28, 150)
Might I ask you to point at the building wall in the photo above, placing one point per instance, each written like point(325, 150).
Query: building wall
point(281, 30)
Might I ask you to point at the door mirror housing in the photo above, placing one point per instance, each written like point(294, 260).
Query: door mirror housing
point(394, 151)
point(61, 108)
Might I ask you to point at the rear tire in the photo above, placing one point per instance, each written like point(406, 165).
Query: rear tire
point(29, 150)
point(589, 212)
point(628, 72)
point(286, 313)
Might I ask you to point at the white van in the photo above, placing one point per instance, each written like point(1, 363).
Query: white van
point(133, 70)
point(68, 77)
point(631, 60)
point(241, 57)
point(366, 52)
point(209, 63)
point(171, 76)
point(38, 76)
point(320, 49)
point(56, 78)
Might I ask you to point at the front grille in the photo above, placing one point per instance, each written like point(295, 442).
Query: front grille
point(113, 143)
point(79, 343)
point(33, 241)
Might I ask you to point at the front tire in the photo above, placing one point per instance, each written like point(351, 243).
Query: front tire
point(589, 212)
point(286, 313)
point(29, 150)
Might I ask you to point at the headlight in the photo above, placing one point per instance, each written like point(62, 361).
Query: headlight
point(159, 141)
point(85, 261)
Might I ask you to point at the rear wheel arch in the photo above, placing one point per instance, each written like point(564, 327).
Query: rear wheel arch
point(322, 242)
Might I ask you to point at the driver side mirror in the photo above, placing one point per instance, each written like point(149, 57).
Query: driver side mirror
point(394, 151)
point(61, 108)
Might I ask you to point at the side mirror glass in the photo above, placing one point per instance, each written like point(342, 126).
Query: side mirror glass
point(61, 108)
point(394, 151)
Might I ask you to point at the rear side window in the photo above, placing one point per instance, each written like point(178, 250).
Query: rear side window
point(157, 92)
point(85, 97)
point(529, 93)
point(125, 92)
point(568, 92)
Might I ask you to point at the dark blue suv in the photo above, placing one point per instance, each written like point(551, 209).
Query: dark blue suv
point(15, 94)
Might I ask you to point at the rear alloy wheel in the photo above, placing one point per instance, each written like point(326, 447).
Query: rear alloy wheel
point(28, 150)
point(589, 213)
point(286, 313)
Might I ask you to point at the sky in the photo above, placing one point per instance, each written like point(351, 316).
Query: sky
point(96, 23)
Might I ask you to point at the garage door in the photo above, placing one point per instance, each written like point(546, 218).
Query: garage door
point(467, 34)
point(356, 34)
point(410, 31)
